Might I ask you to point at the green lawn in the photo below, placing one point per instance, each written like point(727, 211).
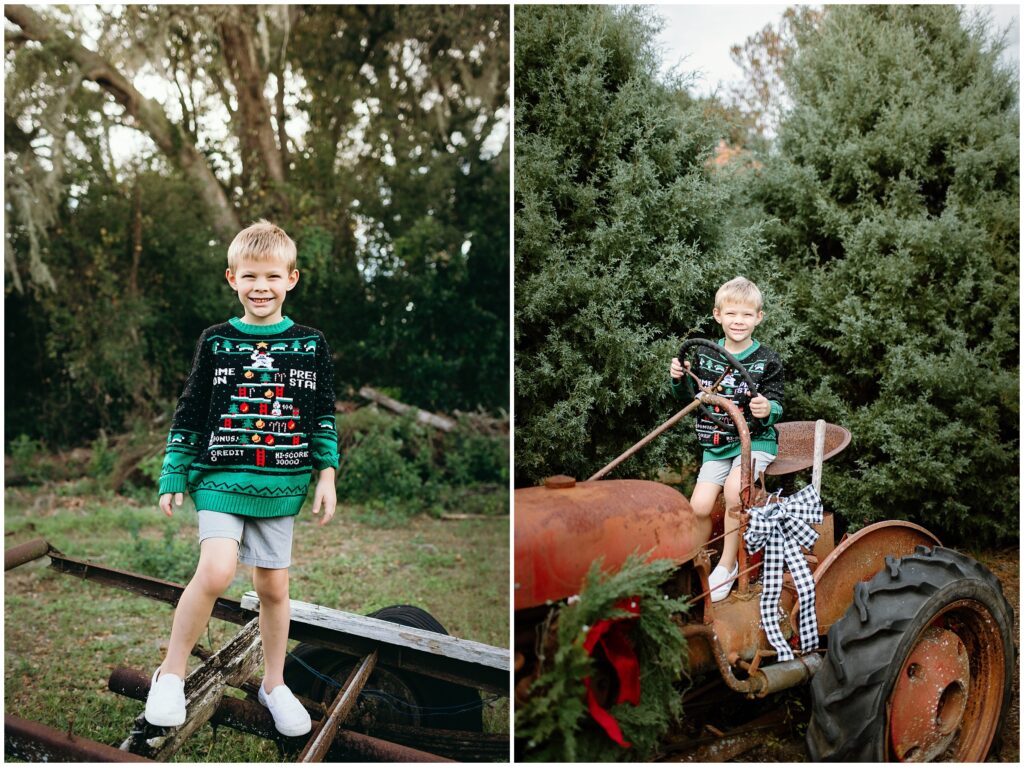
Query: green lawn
point(63, 636)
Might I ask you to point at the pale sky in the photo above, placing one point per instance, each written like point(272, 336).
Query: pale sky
point(697, 38)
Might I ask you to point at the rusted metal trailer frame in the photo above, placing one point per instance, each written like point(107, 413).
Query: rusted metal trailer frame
point(371, 641)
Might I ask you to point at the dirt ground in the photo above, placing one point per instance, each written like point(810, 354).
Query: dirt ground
point(781, 738)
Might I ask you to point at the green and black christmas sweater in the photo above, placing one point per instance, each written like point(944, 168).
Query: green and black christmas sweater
point(256, 414)
point(765, 368)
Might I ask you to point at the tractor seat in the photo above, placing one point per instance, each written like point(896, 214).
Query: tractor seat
point(796, 446)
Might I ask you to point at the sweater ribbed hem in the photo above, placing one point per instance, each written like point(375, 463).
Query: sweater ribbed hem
point(770, 446)
point(261, 330)
point(247, 505)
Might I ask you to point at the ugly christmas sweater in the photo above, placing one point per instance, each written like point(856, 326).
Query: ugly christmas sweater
point(256, 414)
point(765, 368)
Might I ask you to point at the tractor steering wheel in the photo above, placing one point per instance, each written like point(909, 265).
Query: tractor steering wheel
point(721, 421)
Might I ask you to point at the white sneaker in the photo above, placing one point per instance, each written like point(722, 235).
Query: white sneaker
point(290, 716)
point(165, 704)
point(721, 581)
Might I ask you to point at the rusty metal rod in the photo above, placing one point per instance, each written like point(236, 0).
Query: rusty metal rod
point(253, 719)
point(492, 680)
point(746, 476)
point(323, 734)
point(25, 552)
point(37, 742)
point(643, 442)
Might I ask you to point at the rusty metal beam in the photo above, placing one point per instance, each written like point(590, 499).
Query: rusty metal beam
point(26, 552)
point(37, 742)
point(438, 667)
point(154, 588)
point(254, 719)
point(349, 744)
point(323, 735)
point(459, 745)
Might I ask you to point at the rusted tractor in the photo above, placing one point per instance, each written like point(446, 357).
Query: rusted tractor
point(916, 650)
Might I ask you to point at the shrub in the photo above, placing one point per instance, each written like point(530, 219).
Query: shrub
point(895, 223)
point(393, 467)
point(27, 459)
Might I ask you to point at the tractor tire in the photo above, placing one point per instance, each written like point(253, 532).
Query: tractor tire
point(920, 666)
point(401, 697)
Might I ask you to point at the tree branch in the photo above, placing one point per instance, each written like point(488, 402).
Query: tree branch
point(172, 140)
point(255, 131)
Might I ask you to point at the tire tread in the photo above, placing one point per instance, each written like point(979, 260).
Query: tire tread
point(847, 710)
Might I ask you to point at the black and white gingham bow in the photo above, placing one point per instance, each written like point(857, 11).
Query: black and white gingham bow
point(781, 528)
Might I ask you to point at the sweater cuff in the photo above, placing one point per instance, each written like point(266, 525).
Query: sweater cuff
point(173, 483)
point(774, 415)
point(325, 451)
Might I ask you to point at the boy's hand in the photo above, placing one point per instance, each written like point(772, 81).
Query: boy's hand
point(325, 495)
point(165, 501)
point(760, 406)
point(676, 370)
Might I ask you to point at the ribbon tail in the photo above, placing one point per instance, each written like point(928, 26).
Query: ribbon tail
point(771, 591)
point(808, 616)
point(604, 718)
point(620, 653)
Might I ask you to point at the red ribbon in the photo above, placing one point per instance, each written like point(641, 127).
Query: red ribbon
point(612, 634)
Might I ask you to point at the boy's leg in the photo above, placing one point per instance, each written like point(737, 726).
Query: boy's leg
point(275, 616)
point(290, 718)
point(702, 501)
point(731, 542)
point(216, 570)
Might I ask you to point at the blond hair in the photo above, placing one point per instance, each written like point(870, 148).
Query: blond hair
point(262, 241)
point(739, 290)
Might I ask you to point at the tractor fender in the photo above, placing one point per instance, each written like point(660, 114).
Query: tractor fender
point(856, 560)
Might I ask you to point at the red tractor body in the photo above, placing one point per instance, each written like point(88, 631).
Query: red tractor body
point(893, 607)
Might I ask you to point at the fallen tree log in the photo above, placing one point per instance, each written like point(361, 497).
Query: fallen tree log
point(422, 416)
point(473, 516)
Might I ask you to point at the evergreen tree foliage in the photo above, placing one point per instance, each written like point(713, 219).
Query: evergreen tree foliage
point(894, 204)
point(620, 238)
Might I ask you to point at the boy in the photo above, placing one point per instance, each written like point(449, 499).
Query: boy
point(256, 414)
point(738, 310)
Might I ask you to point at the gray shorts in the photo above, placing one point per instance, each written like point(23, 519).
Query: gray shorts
point(262, 542)
point(716, 472)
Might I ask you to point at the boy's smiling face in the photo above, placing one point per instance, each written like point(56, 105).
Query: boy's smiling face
point(738, 321)
point(262, 287)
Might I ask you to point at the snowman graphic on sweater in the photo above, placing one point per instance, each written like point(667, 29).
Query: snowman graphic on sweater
point(261, 360)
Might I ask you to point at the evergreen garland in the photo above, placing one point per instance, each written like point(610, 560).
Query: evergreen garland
point(555, 723)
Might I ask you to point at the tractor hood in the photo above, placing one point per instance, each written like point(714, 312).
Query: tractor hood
point(561, 528)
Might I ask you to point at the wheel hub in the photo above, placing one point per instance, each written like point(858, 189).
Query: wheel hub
point(930, 696)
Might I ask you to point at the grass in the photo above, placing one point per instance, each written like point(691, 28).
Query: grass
point(64, 636)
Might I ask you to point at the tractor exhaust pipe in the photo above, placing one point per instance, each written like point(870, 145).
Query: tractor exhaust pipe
point(762, 681)
point(789, 673)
